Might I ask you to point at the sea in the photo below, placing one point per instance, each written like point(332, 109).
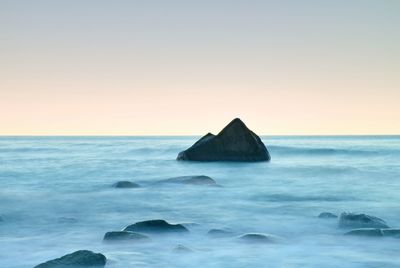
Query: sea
point(57, 196)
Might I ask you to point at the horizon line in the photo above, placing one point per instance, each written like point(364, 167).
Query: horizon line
point(197, 135)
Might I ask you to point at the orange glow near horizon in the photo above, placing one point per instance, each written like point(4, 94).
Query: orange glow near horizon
point(193, 113)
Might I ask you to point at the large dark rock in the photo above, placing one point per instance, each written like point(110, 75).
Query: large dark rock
point(125, 184)
point(156, 226)
point(196, 180)
point(234, 143)
point(124, 236)
point(78, 259)
point(352, 220)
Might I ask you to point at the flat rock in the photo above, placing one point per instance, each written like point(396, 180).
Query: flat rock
point(234, 143)
point(219, 233)
point(258, 238)
point(156, 226)
point(125, 184)
point(369, 232)
point(194, 180)
point(125, 236)
point(327, 215)
point(77, 259)
point(375, 232)
point(352, 220)
point(391, 232)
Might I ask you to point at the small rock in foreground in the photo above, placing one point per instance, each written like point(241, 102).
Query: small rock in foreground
point(77, 259)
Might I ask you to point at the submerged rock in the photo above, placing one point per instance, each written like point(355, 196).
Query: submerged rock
point(125, 236)
point(375, 232)
point(219, 233)
point(366, 232)
point(391, 232)
point(195, 180)
point(156, 226)
point(258, 238)
point(181, 249)
point(1, 219)
point(327, 215)
point(125, 184)
point(77, 259)
point(234, 143)
point(352, 220)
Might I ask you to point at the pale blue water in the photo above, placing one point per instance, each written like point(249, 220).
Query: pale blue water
point(45, 178)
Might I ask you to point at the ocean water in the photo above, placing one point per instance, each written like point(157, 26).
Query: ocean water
point(44, 179)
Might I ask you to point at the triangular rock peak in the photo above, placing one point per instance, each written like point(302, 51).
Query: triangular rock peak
point(234, 143)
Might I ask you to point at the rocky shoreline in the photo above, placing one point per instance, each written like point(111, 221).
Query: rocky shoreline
point(354, 225)
point(235, 143)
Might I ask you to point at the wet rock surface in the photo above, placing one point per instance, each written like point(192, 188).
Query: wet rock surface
point(156, 226)
point(77, 259)
point(124, 236)
point(391, 232)
point(353, 220)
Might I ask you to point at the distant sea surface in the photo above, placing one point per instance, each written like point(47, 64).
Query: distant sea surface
point(56, 197)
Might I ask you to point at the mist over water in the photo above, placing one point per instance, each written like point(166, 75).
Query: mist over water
point(47, 179)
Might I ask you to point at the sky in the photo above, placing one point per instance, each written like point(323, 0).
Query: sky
point(81, 67)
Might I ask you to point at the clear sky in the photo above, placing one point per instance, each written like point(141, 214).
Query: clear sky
point(80, 67)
